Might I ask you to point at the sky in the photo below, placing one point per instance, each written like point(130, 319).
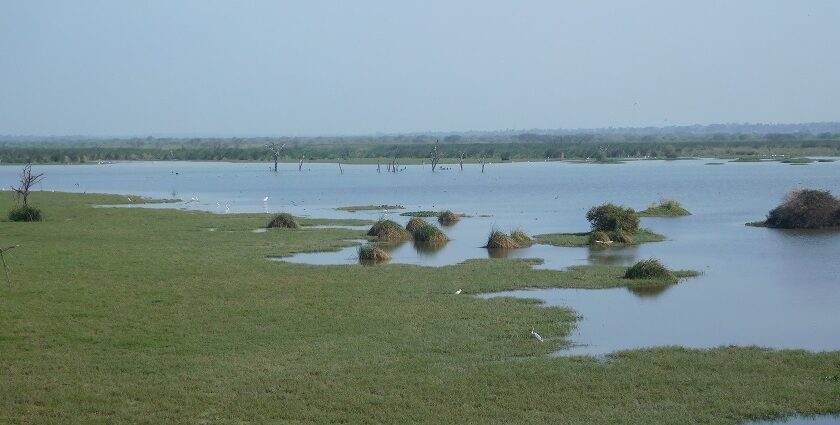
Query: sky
point(305, 68)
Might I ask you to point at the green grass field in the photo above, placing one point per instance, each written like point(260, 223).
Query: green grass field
point(131, 315)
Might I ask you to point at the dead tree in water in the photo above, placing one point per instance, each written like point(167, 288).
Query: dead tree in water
point(461, 160)
point(27, 181)
point(378, 167)
point(276, 152)
point(435, 156)
point(300, 165)
point(340, 169)
point(482, 163)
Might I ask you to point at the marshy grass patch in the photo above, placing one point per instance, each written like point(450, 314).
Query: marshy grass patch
point(584, 239)
point(448, 218)
point(369, 254)
point(388, 231)
point(797, 161)
point(429, 233)
point(283, 221)
point(599, 238)
point(665, 208)
point(420, 214)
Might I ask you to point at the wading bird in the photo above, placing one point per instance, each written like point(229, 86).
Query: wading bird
point(458, 292)
point(536, 335)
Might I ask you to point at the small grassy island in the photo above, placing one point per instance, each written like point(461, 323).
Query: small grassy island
point(665, 208)
point(388, 231)
point(652, 272)
point(612, 225)
point(804, 209)
point(369, 255)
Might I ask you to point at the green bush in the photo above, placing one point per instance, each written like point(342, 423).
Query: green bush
point(649, 269)
point(613, 218)
point(621, 236)
point(283, 221)
point(521, 238)
point(25, 213)
point(806, 209)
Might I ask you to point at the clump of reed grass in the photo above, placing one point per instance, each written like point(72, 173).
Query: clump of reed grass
point(387, 230)
point(624, 237)
point(429, 233)
point(599, 238)
point(25, 213)
point(414, 223)
point(649, 269)
point(521, 238)
point(448, 218)
point(369, 254)
point(283, 221)
point(500, 240)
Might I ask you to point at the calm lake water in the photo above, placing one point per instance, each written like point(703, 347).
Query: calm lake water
point(772, 288)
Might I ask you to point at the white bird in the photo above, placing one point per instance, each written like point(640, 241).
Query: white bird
point(194, 199)
point(385, 211)
point(536, 335)
point(227, 208)
point(265, 199)
point(458, 292)
point(129, 200)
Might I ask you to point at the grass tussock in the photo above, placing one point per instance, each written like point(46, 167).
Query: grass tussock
point(369, 254)
point(649, 269)
point(387, 230)
point(521, 238)
point(414, 224)
point(623, 237)
point(428, 233)
point(283, 221)
point(500, 240)
point(665, 208)
point(25, 213)
point(448, 218)
point(599, 238)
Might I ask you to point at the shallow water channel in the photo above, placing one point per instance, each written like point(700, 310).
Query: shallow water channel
point(772, 288)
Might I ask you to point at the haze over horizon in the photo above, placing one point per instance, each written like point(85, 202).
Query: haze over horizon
point(100, 68)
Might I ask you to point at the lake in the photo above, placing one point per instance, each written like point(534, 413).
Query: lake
point(766, 287)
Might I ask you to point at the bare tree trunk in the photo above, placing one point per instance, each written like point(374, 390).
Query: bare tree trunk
point(276, 152)
point(378, 167)
point(461, 156)
point(435, 156)
point(340, 169)
point(300, 166)
point(482, 164)
point(27, 181)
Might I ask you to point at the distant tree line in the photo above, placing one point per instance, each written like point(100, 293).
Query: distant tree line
point(522, 146)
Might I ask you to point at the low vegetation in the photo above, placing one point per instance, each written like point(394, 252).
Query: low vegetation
point(420, 214)
point(584, 239)
point(369, 254)
point(429, 233)
point(501, 240)
point(805, 209)
point(448, 218)
point(613, 218)
point(649, 269)
point(521, 238)
point(388, 231)
point(283, 221)
point(25, 213)
point(414, 223)
point(141, 315)
point(665, 208)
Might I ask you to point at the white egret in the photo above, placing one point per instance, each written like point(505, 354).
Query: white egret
point(458, 292)
point(129, 199)
point(536, 335)
point(265, 199)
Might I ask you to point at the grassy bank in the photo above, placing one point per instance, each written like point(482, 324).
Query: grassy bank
point(144, 316)
point(582, 239)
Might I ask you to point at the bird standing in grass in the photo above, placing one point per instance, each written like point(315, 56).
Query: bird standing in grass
point(458, 292)
point(536, 335)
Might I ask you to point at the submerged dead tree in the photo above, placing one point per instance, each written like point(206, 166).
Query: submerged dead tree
point(435, 156)
point(27, 181)
point(482, 163)
point(276, 152)
point(300, 165)
point(461, 160)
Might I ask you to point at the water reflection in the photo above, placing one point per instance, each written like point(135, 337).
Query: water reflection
point(648, 291)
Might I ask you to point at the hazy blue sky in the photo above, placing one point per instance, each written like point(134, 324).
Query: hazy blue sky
point(350, 67)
